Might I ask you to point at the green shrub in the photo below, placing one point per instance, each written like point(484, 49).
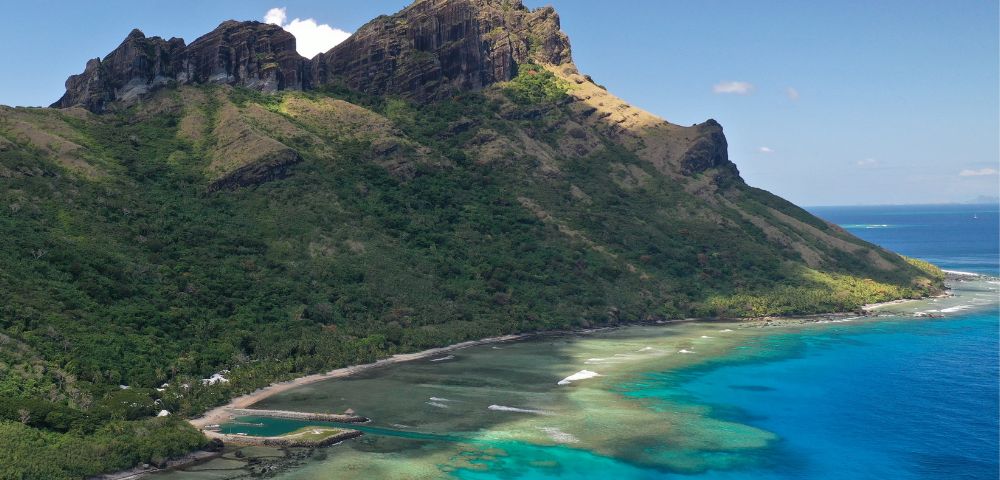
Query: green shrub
point(535, 85)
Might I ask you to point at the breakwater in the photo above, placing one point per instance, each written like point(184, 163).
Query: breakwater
point(323, 417)
point(288, 440)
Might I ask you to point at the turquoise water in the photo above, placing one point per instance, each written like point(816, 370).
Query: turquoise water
point(887, 400)
point(902, 400)
point(895, 398)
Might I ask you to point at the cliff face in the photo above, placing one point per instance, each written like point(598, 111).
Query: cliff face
point(250, 54)
point(138, 65)
point(254, 55)
point(430, 50)
point(435, 48)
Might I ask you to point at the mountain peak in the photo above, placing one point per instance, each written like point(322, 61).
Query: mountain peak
point(251, 54)
point(431, 49)
point(434, 48)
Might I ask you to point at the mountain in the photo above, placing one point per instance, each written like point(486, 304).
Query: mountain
point(445, 174)
point(430, 50)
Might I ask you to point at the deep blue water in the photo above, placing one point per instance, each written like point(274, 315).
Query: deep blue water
point(953, 237)
point(893, 400)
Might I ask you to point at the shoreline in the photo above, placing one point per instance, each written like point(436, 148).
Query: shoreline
point(867, 308)
point(139, 471)
point(222, 413)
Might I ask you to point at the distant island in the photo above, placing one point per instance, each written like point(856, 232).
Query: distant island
point(984, 200)
point(191, 222)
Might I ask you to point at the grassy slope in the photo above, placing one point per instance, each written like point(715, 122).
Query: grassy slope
point(393, 240)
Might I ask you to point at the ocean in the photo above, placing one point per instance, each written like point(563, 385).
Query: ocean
point(898, 397)
point(953, 237)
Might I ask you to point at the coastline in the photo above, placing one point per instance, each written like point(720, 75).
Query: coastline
point(139, 471)
point(223, 413)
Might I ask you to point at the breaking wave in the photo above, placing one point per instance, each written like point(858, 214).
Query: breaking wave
point(581, 375)
point(504, 408)
point(957, 308)
point(867, 225)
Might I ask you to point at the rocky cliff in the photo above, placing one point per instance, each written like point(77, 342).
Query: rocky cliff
point(138, 65)
point(429, 50)
point(250, 54)
point(435, 48)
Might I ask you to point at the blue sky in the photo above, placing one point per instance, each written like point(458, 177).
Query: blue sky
point(828, 103)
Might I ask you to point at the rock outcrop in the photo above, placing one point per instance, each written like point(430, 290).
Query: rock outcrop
point(138, 65)
point(709, 150)
point(435, 48)
point(250, 54)
point(431, 49)
point(255, 55)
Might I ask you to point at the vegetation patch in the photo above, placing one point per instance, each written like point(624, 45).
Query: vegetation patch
point(535, 85)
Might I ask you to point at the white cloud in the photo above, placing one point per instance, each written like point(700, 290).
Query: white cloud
point(311, 38)
point(867, 162)
point(276, 16)
point(982, 172)
point(739, 88)
point(765, 150)
point(792, 93)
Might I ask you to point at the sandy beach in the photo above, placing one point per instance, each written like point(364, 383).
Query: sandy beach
point(873, 306)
